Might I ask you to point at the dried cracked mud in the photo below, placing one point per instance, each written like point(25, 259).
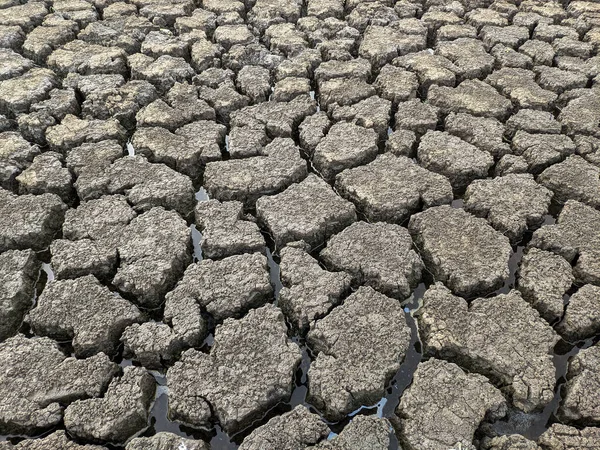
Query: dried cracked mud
point(299, 224)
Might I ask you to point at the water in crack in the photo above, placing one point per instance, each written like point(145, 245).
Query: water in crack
point(196, 239)
point(130, 149)
point(202, 195)
point(274, 272)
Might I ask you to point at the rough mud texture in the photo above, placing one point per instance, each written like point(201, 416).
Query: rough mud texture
point(246, 201)
point(473, 334)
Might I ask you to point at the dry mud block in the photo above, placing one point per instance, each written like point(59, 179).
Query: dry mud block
point(244, 376)
point(19, 271)
point(475, 336)
point(444, 406)
point(379, 255)
point(461, 250)
point(57, 440)
point(166, 441)
point(309, 211)
point(37, 379)
point(362, 433)
point(575, 237)
point(360, 346)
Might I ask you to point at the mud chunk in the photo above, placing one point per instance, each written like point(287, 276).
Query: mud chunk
point(13, 64)
point(558, 80)
point(454, 158)
point(295, 429)
point(81, 57)
point(451, 32)
point(163, 72)
point(312, 130)
point(373, 112)
point(268, 12)
point(204, 54)
point(154, 251)
point(379, 255)
point(430, 69)
point(362, 433)
point(468, 56)
point(36, 378)
point(508, 57)
point(416, 116)
point(239, 56)
point(284, 38)
point(309, 291)
point(46, 174)
point(279, 119)
point(345, 146)
point(401, 143)
point(19, 93)
point(548, 33)
point(509, 442)
point(290, 87)
point(481, 17)
point(225, 100)
point(391, 188)
point(200, 19)
point(226, 231)
point(309, 211)
point(371, 13)
point(512, 204)
point(325, 8)
point(246, 141)
point(511, 36)
point(58, 439)
point(86, 312)
point(11, 36)
point(243, 179)
point(73, 132)
point(485, 133)
point(188, 150)
point(542, 150)
point(396, 84)
point(560, 436)
point(146, 185)
point(60, 103)
point(544, 279)
point(166, 441)
point(261, 363)
point(580, 320)
point(26, 16)
point(444, 406)
point(301, 65)
point(18, 275)
point(582, 115)
point(357, 354)
point(344, 91)
point(520, 86)
point(15, 155)
point(77, 259)
point(540, 52)
point(572, 47)
point(475, 336)
point(29, 221)
point(228, 287)
point(533, 121)
point(354, 68)
point(472, 97)
point(461, 250)
point(255, 83)
point(121, 413)
point(381, 44)
point(573, 179)
point(574, 235)
point(580, 405)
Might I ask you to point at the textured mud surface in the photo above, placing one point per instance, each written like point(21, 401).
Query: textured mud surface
point(299, 224)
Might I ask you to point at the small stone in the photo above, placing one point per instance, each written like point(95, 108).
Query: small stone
point(475, 334)
point(36, 378)
point(544, 279)
point(581, 320)
point(46, 174)
point(357, 354)
point(166, 441)
point(461, 250)
point(154, 250)
point(226, 231)
point(444, 406)
point(573, 179)
point(472, 97)
point(580, 403)
point(345, 146)
point(119, 415)
point(295, 429)
point(448, 155)
point(391, 188)
point(542, 150)
point(379, 255)
point(228, 287)
point(29, 221)
point(261, 364)
point(246, 180)
point(362, 433)
point(559, 437)
point(86, 312)
point(19, 271)
point(512, 204)
point(309, 211)
point(485, 133)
